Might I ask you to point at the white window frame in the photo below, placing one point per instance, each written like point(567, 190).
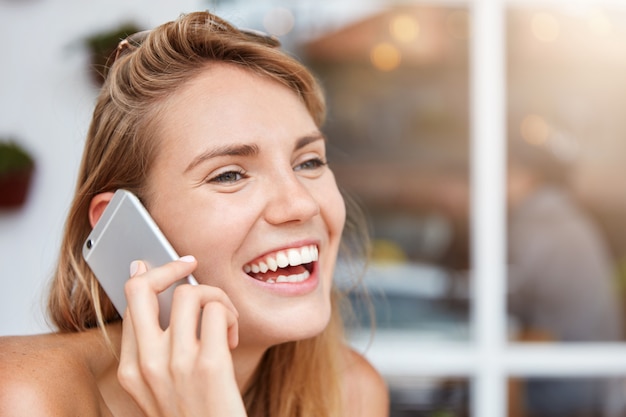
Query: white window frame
point(489, 359)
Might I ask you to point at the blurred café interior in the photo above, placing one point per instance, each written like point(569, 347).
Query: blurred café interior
point(397, 79)
point(398, 86)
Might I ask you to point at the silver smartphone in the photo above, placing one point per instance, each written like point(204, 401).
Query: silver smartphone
point(125, 232)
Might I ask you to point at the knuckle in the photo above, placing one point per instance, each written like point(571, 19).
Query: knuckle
point(133, 287)
point(151, 369)
point(216, 309)
point(179, 365)
point(183, 291)
point(207, 294)
point(128, 376)
point(216, 293)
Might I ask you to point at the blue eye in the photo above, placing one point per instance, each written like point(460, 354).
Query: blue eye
point(228, 177)
point(310, 164)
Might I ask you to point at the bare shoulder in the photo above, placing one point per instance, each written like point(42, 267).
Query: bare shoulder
point(46, 375)
point(365, 391)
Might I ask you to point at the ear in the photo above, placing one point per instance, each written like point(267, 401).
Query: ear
point(97, 206)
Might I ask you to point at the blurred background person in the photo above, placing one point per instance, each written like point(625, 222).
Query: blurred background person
point(562, 282)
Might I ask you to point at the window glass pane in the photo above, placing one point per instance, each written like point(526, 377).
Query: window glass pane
point(429, 396)
point(397, 88)
point(567, 397)
point(567, 153)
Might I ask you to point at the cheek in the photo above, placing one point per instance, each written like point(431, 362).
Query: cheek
point(334, 210)
point(338, 215)
point(199, 229)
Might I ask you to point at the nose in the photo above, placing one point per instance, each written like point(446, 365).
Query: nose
point(290, 200)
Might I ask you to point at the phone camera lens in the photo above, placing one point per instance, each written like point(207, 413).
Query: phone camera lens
point(89, 244)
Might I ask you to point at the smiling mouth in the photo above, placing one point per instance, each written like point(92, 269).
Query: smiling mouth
point(286, 266)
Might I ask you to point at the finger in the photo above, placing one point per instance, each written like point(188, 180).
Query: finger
point(141, 301)
point(128, 372)
point(220, 330)
point(187, 307)
point(152, 345)
point(164, 276)
point(183, 327)
point(141, 294)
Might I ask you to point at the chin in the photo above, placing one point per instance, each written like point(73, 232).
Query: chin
point(308, 330)
point(286, 327)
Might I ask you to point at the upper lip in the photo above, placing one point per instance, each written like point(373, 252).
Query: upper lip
point(291, 256)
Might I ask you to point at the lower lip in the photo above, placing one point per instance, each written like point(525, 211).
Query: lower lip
point(292, 289)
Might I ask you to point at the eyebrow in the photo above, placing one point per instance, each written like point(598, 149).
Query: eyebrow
point(310, 138)
point(247, 150)
point(227, 150)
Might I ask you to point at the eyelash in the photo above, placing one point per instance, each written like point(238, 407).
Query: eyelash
point(317, 162)
point(222, 178)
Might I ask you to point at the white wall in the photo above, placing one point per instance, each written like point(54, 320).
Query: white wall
point(46, 100)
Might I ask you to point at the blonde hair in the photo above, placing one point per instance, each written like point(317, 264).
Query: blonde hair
point(296, 379)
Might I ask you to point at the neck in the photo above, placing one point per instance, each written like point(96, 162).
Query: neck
point(107, 355)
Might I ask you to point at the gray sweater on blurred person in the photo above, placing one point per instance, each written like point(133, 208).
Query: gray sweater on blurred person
point(562, 278)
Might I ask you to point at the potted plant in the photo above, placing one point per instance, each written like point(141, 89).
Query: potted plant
point(16, 171)
point(102, 46)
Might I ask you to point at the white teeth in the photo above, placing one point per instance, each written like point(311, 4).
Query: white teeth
point(305, 254)
point(291, 278)
point(282, 259)
point(271, 264)
point(294, 257)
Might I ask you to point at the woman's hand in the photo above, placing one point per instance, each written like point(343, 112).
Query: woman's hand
point(176, 372)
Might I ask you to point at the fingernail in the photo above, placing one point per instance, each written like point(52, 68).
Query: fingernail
point(187, 258)
point(134, 266)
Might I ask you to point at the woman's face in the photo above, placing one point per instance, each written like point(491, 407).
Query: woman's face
point(240, 182)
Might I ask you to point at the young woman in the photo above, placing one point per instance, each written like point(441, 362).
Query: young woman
point(218, 133)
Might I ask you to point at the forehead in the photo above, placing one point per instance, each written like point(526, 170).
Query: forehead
point(226, 103)
point(223, 91)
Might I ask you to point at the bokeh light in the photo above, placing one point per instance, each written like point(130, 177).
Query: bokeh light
point(385, 56)
point(279, 21)
point(404, 28)
point(545, 27)
point(535, 130)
